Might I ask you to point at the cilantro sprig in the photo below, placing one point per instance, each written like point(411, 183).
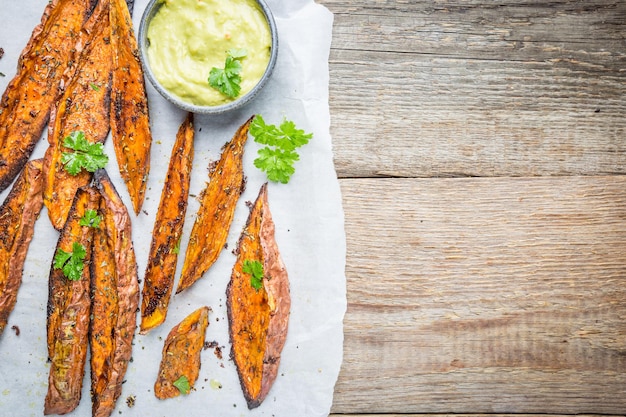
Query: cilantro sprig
point(90, 219)
point(182, 384)
point(277, 158)
point(71, 263)
point(85, 155)
point(228, 80)
point(255, 270)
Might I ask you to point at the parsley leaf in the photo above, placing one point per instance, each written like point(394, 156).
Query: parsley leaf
point(278, 157)
point(90, 219)
point(72, 263)
point(277, 164)
point(255, 269)
point(237, 53)
point(182, 384)
point(176, 249)
point(228, 80)
point(86, 155)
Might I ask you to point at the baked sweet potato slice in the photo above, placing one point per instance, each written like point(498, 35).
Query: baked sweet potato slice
point(130, 121)
point(258, 311)
point(26, 102)
point(83, 106)
point(68, 311)
point(104, 300)
point(217, 208)
point(17, 222)
point(168, 229)
point(115, 292)
point(181, 355)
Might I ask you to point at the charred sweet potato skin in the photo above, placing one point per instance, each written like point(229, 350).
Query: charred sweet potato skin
point(181, 353)
point(17, 222)
point(120, 306)
point(168, 228)
point(68, 314)
point(104, 301)
point(130, 121)
point(84, 105)
point(217, 208)
point(258, 319)
point(26, 102)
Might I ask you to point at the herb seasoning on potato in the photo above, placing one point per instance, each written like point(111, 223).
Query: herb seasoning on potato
point(80, 118)
point(217, 208)
point(258, 304)
point(26, 102)
point(168, 229)
point(180, 361)
point(18, 214)
point(69, 307)
point(130, 120)
point(115, 292)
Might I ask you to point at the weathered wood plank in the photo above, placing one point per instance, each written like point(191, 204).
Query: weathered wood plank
point(471, 88)
point(470, 415)
point(490, 295)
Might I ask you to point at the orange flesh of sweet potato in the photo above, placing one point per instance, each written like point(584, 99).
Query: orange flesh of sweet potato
point(181, 354)
point(119, 305)
point(258, 319)
point(17, 221)
point(104, 301)
point(130, 123)
point(168, 228)
point(68, 314)
point(83, 106)
point(26, 102)
point(217, 207)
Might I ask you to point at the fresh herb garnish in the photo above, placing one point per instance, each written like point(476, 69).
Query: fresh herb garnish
point(72, 263)
point(176, 248)
point(277, 158)
point(94, 86)
point(182, 384)
point(86, 155)
point(90, 219)
point(228, 79)
point(255, 270)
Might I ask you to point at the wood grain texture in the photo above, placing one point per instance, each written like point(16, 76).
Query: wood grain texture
point(504, 293)
point(475, 88)
point(466, 415)
point(485, 295)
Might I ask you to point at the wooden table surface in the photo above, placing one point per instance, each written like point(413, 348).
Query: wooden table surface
point(481, 151)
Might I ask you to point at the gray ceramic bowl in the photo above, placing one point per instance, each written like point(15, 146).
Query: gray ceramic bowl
point(151, 9)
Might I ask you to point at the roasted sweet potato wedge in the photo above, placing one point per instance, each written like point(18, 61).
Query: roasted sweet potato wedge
point(83, 106)
point(68, 310)
point(104, 300)
point(258, 308)
point(217, 208)
point(130, 121)
point(115, 298)
point(17, 222)
point(181, 355)
point(26, 102)
point(168, 228)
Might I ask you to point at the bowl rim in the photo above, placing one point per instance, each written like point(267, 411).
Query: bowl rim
point(142, 39)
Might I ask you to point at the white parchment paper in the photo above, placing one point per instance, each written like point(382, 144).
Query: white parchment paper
point(309, 232)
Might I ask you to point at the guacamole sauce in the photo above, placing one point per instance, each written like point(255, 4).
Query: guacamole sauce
point(189, 37)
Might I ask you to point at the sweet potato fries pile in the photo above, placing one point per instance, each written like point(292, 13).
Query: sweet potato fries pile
point(81, 75)
point(79, 71)
point(98, 307)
